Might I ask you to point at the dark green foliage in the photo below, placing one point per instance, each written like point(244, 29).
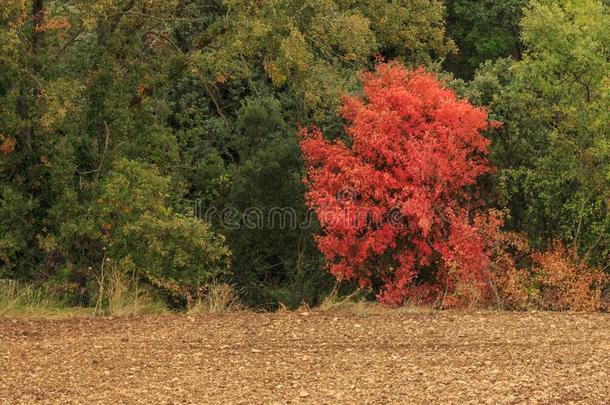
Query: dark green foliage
point(15, 228)
point(84, 135)
point(483, 30)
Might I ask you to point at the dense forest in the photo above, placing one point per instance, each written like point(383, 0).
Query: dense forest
point(144, 137)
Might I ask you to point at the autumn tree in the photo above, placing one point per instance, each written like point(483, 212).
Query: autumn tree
point(397, 198)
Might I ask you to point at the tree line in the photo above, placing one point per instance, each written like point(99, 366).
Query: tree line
point(115, 116)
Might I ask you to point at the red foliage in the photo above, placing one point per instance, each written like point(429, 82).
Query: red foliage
point(396, 201)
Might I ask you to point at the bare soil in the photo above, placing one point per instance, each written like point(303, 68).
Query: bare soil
point(431, 357)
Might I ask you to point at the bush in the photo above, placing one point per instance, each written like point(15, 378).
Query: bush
point(509, 277)
point(567, 283)
point(15, 230)
point(132, 228)
point(556, 279)
point(397, 200)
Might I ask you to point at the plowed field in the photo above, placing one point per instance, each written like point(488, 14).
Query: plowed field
point(430, 357)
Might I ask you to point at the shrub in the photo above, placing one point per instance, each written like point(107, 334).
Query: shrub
point(132, 227)
point(397, 199)
point(567, 283)
point(509, 277)
point(15, 228)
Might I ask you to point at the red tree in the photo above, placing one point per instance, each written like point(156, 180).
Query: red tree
point(397, 199)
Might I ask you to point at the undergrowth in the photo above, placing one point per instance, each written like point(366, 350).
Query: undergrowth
point(219, 298)
point(26, 300)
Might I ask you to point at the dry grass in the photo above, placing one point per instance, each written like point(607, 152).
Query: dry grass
point(117, 296)
point(18, 301)
point(357, 306)
point(120, 296)
point(220, 298)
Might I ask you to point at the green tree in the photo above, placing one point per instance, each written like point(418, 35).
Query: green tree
point(82, 87)
point(553, 149)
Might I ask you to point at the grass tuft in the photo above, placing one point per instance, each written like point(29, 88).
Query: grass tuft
point(120, 296)
point(220, 298)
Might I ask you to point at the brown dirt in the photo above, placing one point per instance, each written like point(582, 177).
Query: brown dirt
point(431, 357)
